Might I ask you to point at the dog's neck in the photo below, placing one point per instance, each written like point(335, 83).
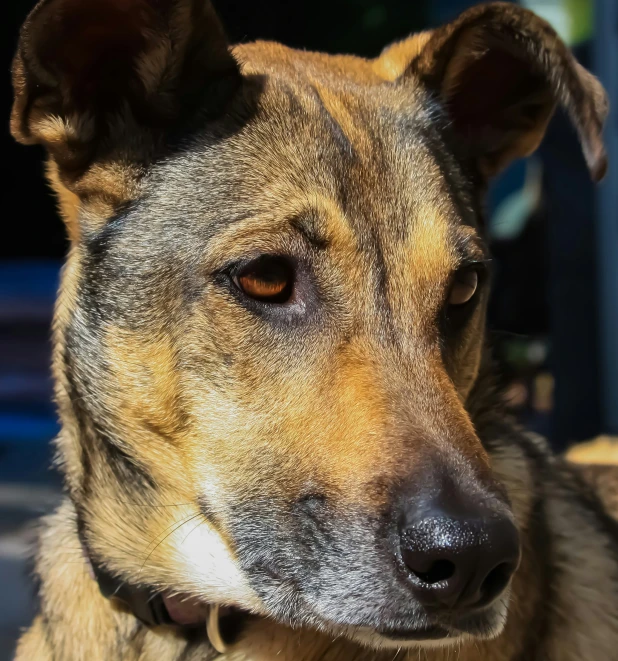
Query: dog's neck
point(155, 608)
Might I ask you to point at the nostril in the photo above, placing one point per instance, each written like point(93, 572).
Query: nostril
point(459, 563)
point(440, 570)
point(496, 581)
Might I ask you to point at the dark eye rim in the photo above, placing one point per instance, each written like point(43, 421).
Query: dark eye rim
point(455, 317)
point(481, 270)
point(245, 267)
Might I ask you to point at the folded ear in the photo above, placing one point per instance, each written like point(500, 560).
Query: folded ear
point(92, 76)
point(500, 71)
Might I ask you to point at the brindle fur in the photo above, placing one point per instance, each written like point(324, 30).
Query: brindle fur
point(251, 456)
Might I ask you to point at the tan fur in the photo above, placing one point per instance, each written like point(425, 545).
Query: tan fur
point(172, 394)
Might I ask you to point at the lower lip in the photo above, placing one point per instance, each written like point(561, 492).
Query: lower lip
point(431, 633)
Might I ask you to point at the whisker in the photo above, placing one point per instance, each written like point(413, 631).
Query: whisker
point(192, 530)
point(182, 523)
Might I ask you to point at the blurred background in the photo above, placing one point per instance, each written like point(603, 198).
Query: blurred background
point(554, 311)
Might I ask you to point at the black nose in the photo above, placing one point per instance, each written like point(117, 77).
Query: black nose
point(462, 561)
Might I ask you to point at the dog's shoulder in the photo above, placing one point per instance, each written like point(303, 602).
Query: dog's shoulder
point(603, 480)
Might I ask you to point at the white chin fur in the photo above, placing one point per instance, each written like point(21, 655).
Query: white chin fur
point(211, 569)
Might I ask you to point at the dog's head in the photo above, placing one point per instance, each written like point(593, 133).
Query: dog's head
point(272, 313)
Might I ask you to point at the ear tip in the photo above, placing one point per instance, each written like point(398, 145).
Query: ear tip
point(596, 157)
point(17, 129)
point(598, 167)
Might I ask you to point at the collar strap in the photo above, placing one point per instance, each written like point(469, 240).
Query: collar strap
point(147, 605)
point(154, 609)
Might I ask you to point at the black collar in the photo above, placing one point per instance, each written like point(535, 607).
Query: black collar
point(149, 607)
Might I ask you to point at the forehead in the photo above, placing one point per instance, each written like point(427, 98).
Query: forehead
point(359, 165)
point(313, 138)
point(360, 160)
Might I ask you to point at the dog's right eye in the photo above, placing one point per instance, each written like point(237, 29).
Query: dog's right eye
point(268, 279)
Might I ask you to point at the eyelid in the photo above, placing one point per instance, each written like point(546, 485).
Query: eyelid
point(467, 262)
point(482, 266)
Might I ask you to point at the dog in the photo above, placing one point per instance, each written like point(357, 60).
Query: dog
point(281, 437)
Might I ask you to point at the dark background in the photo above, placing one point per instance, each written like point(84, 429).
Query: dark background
point(555, 293)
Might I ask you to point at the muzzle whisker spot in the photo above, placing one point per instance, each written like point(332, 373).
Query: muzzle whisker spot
point(184, 539)
point(175, 528)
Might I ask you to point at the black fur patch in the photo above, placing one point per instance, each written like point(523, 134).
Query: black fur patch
point(96, 444)
point(541, 543)
point(586, 497)
point(127, 470)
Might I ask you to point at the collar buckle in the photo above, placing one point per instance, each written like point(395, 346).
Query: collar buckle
point(213, 629)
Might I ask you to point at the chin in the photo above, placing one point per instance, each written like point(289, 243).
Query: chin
point(485, 625)
point(413, 639)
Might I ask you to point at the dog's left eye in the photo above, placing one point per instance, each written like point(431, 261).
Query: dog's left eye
point(268, 279)
point(463, 287)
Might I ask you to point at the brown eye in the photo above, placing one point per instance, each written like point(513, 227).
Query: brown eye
point(464, 286)
point(268, 279)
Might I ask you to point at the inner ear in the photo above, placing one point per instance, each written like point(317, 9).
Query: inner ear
point(85, 68)
point(499, 104)
point(499, 71)
point(108, 85)
point(92, 49)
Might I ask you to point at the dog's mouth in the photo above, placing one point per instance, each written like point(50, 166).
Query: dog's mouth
point(481, 625)
point(434, 632)
point(426, 631)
